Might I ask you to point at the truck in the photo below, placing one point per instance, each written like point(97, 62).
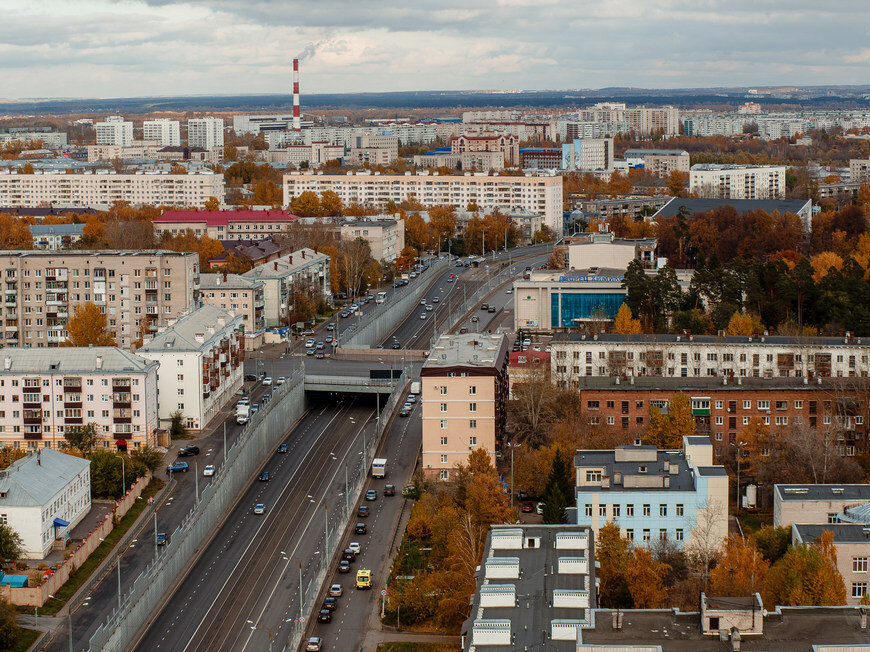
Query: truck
point(379, 467)
point(243, 413)
point(415, 387)
point(382, 297)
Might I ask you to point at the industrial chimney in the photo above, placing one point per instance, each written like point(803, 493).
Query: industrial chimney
point(297, 119)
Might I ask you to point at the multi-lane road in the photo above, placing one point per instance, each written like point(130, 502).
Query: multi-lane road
point(243, 590)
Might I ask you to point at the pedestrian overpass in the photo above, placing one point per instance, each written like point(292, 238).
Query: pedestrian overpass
point(350, 384)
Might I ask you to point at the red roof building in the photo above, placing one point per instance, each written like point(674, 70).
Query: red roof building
point(225, 225)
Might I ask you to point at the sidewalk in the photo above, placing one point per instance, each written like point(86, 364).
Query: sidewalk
point(373, 639)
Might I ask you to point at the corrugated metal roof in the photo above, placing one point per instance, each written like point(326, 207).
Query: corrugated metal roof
point(37, 478)
point(71, 360)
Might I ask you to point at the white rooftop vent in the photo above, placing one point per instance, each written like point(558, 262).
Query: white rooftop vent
point(505, 568)
point(796, 490)
point(498, 595)
point(837, 490)
point(572, 541)
point(507, 539)
point(491, 632)
point(570, 598)
point(565, 629)
point(573, 566)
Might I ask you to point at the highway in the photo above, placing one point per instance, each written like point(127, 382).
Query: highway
point(243, 590)
point(356, 608)
point(103, 597)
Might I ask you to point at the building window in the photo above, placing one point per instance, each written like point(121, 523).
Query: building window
point(646, 510)
point(663, 534)
point(593, 476)
point(832, 518)
point(181, 406)
point(444, 441)
point(615, 511)
point(859, 564)
point(443, 389)
point(680, 509)
point(472, 441)
point(444, 407)
point(443, 424)
point(472, 423)
point(646, 536)
point(679, 535)
point(444, 459)
point(663, 510)
point(629, 510)
point(859, 589)
point(588, 510)
point(472, 407)
point(602, 510)
point(629, 534)
point(472, 389)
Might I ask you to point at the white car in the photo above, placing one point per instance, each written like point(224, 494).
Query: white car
point(355, 546)
point(422, 315)
point(412, 398)
point(407, 406)
point(267, 380)
point(423, 302)
point(208, 471)
point(309, 342)
point(313, 644)
point(280, 380)
point(510, 291)
point(430, 308)
point(259, 508)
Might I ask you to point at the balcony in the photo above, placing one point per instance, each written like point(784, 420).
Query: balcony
point(10, 300)
point(72, 421)
point(73, 405)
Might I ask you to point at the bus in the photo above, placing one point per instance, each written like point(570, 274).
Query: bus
point(381, 298)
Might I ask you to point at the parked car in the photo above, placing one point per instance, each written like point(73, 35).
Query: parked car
point(360, 528)
point(251, 377)
point(188, 450)
point(371, 494)
point(335, 590)
point(540, 508)
point(208, 471)
point(527, 508)
point(178, 467)
point(259, 508)
point(363, 511)
point(389, 490)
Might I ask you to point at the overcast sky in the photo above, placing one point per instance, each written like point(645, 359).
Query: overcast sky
point(104, 48)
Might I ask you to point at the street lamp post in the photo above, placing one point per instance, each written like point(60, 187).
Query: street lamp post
point(512, 447)
point(739, 445)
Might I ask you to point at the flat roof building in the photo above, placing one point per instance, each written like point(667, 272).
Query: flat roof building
point(737, 181)
point(237, 295)
point(225, 225)
point(386, 238)
point(55, 237)
point(800, 207)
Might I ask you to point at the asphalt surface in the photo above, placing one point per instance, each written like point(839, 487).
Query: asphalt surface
point(237, 594)
point(103, 597)
point(351, 620)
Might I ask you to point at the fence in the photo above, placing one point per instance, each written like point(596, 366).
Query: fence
point(315, 575)
point(158, 580)
point(36, 596)
point(386, 316)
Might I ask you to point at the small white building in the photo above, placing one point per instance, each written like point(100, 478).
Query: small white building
point(386, 237)
point(200, 359)
point(43, 496)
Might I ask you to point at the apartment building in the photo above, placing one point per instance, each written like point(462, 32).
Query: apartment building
point(507, 144)
point(588, 154)
point(205, 132)
point(722, 409)
point(527, 366)
point(104, 188)
point(314, 155)
point(737, 181)
point(55, 237)
point(859, 170)
point(200, 357)
point(44, 393)
point(464, 389)
point(114, 130)
point(238, 296)
point(225, 225)
point(166, 132)
point(852, 545)
point(535, 589)
point(386, 238)
point(641, 120)
point(539, 194)
point(469, 161)
point(136, 149)
point(661, 162)
point(653, 494)
point(374, 149)
point(634, 207)
point(264, 124)
point(541, 158)
point(137, 290)
point(299, 269)
point(50, 139)
point(818, 503)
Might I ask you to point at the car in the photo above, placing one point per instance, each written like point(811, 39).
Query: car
point(161, 538)
point(310, 351)
point(330, 327)
point(243, 401)
point(363, 578)
point(396, 345)
point(348, 555)
point(484, 306)
point(255, 408)
point(435, 300)
point(282, 448)
point(422, 315)
point(344, 566)
point(475, 319)
point(423, 301)
point(429, 307)
point(267, 380)
point(370, 296)
point(371, 494)
point(335, 590)
point(491, 309)
point(309, 342)
point(319, 346)
point(330, 603)
point(281, 380)
point(463, 330)
point(527, 508)
point(405, 412)
point(264, 476)
point(259, 508)
point(251, 377)
point(307, 332)
point(539, 509)
point(389, 490)
point(188, 450)
point(328, 339)
point(355, 546)
point(178, 467)
point(208, 471)
point(360, 529)
point(509, 291)
point(412, 398)
point(407, 405)
point(314, 644)
point(363, 511)
point(345, 314)
point(324, 616)
point(319, 355)
point(527, 342)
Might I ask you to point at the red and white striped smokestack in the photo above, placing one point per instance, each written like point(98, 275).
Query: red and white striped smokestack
point(297, 119)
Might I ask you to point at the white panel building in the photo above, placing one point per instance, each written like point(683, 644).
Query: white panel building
point(163, 130)
point(738, 181)
point(114, 130)
point(205, 132)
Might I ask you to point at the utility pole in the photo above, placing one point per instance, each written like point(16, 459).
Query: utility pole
point(225, 440)
point(155, 534)
point(325, 534)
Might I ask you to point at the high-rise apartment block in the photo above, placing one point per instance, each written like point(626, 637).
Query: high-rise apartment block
point(138, 291)
point(661, 162)
point(737, 181)
point(205, 132)
point(588, 154)
point(163, 130)
point(114, 130)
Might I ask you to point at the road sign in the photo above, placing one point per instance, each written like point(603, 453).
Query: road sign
point(301, 619)
point(383, 592)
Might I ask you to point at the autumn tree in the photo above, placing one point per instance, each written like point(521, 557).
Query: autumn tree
point(88, 327)
point(442, 223)
point(823, 262)
point(330, 204)
point(82, 438)
point(267, 193)
point(416, 232)
point(644, 577)
point(406, 259)
point(212, 204)
point(677, 182)
point(744, 324)
point(666, 431)
point(625, 324)
point(772, 542)
point(14, 233)
point(535, 405)
point(614, 554)
point(307, 204)
point(806, 575)
point(740, 570)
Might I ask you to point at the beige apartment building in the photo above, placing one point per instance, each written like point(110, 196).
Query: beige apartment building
point(464, 388)
point(44, 393)
point(852, 545)
point(737, 181)
point(531, 193)
point(386, 238)
point(237, 295)
point(138, 291)
point(225, 225)
point(138, 149)
point(507, 144)
point(859, 170)
point(815, 503)
point(107, 187)
point(661, 162)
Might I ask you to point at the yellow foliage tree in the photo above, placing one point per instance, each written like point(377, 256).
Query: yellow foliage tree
point(741, 569)
point(625, 324)
point(645, 578)
point(823, 262)
point(667, 430)
point(212, 204)
point(88, 327)
point(744, 324)
point(806, 575)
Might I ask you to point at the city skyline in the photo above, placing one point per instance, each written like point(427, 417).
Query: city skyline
point(100, 48)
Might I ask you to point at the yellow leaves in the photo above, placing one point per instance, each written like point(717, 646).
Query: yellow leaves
point(625, 324)
point(14, 233)
point(823, 262)
point(87, 327)
point(741, 569)
point(744, 324)
point(666, 431)
point(212, 204)
point(645, 578)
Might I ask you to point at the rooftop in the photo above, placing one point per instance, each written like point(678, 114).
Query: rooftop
point(470, 350)
point(36, 479)
point(193, 332)
point(638, 468)
point(253, 250)
point(227, 281)
point(729, 166)
point(221, 218)
point(673, 384)
point(740, 205)
point(71, 360)
point(838, 492)
point(370, 223)
point(655, 152)
point(688, 340)
point(56, 229)
point(288, 264)
point(95, 253)
point(843, 532)
point(534, 581)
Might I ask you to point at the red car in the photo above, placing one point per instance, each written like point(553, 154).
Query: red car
point(527, 508)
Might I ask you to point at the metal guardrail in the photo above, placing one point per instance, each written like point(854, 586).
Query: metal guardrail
point(348, 380)
point(160, 577)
